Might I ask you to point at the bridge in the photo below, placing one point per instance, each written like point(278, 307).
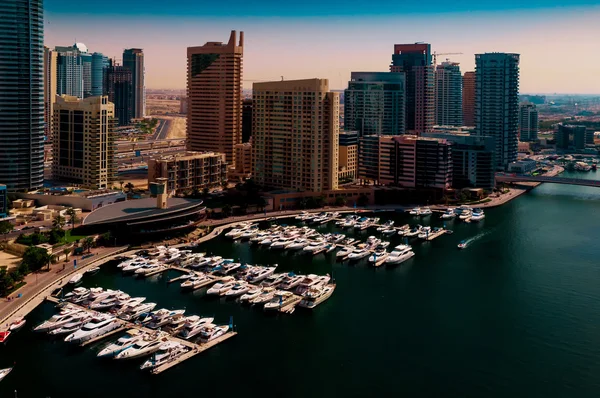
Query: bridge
point(553, 180)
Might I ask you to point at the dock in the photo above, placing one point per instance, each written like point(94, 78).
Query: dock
point(158, 271)
point(380, 260)
point(112, 332)
point(434, 235)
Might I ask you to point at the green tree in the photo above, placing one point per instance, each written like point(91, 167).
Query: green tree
point(340, 201)
point(66, 252)
point(6, 227)
point(224, 184)
point(88, 243)
point(129, 186)
point(261, 203)
point(303, 203)
point(362, 200)
point(106, 238)
point(205, 191)
point(72, 216)
point(35, 258)
point(121, 182)
point(6, 281)
point(58, 222)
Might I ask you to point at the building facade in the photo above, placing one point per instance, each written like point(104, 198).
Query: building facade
point(295, 133)
point(188, 171)
point(84, 144)
point(214, 91)
point(497, 103)
point(448, 95)
point(74, 70)
point(22, 94)
point(348, 156)
point(246, 119)
point(49, 89)
point(374, 103)
point(468, 98)
point(133, 59)
point(243, 164)
point(118, 87)
point(99, 64)
point(573, 137)
point(415, 61)
point(528, 123)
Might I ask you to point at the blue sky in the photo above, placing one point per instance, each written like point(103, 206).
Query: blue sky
point(307, 38)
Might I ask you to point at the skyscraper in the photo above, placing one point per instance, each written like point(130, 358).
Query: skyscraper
point(246, 119)
point(21, 94)
point(295, 135)
point(214, 91)
point(528, 122)
point(468, 98)
point(497, 103)
point(133, 59)
point(415, 61)
point(49, 89)
point(99, 63)
point(374, 103)
point(84, 145)
point(118, 88)
point(448, 93)
point(73, 67)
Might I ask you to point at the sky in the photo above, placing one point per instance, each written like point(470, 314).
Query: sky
point(557, 40)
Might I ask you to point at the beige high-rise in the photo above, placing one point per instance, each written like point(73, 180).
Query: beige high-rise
point(84, 147)
point(49, 89)
point(214, 91)
point(295, 135)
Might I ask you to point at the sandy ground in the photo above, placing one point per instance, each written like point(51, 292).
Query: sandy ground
point(138, 180)
point(9, 260)
point(177, 128)
point(161, 106)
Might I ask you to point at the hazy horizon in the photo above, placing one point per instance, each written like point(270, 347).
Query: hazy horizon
point(331, 40)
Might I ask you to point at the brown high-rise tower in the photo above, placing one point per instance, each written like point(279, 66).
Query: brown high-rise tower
point(468, 99)
point(214, 91)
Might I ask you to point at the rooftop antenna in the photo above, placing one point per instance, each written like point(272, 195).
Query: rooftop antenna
point(281, 78)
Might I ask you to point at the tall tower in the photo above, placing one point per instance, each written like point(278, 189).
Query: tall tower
point(497, 103)
point(99, 63)
point(214, 91)
point(448, 93)
point(528, 122)
point(133, 59)
point(295, 135)
point(415, 61)
point(49, 89)
point(468, 98)
point(118, 87)
point(374, 103)
point(74, 70)
point(22, 94)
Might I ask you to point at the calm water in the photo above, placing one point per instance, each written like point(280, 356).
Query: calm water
point(515, 314)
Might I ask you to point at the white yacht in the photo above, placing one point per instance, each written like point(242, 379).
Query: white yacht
point(309, 281)
point(194, 328)
point(477, 215)
point(425, 232)
point(281, 243)
point(238, 289)
point(358, 253)
point(235, 233)
point(4, 373)
point(465, 215)
point(135, 265)
point(195, 282)
point(273, 280)
point(415, 212)
point(378, 257)
point(415, 231)
point(142, 348)
point(264, 296)
point(131, 337)
point(162, 317)
point(290, 281)
point(448, 214)
point(389, 231)
point(268, 240)
point(386, 225)
point(148, 269)
point(251, 294)
point(314, 245)
point(59, 320)
point(216, 288)
point(316, 296)
point(344, 251)
point(138, 311)
point(71, 326)
point(222, 291)
point(212, 332)
point(425, 211)
point(280, 299)
point(166, 353)
point(98, 326)
point(297, 244)
point(76, 278)
point(260, 273)
point(78, 294)
point(400, 254)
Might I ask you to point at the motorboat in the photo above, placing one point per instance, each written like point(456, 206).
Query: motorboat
point(92, 271)
point(297, 244)
point(314, 245)
point(149, 269)
point(387, 225)
point(373, 242)
point(425, 211)
point(401, 231)
point(97, 326)
point(166, 353)
point(448, 214)
point(462, 244)
point(259, 237)
point(268, 240)
point(238, 289)
point(137, 312)
point(251, 294)
point(4, 372)
point(358, 253)
point(216, 288)
point(302, 215)
point(76, 278)
point(194, 328)
point(344, 252)
point(211, 332)
point(215, 261)
point(227, 267)
point(133, 266)
point(131, 337)
point(4, 336)
point(195, 282)
point(309, 281)
point(415, 231)
point(235, 233)
point(316, 296)
point(59, 320)
point(143, 347)
point(264, 296)
point(280, 299)
point(358, 224)
point(78, 294)
point(17, 324)
point(400, 254)
point(71, 326)
point(465, 215)
point(290, 281)
point(129, 305)
point(249, 233)
point(389, 231)
point(281, 243)
point(415, 212)
point(273, 280)
point(477, 215)
point(225, 288)
point(163, 317)
point(425, 232)
point(382, 245)
point(260, 273)
point(378, 256)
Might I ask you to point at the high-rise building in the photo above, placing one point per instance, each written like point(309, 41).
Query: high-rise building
point(246, 119)
point(118, 87)
point(497, 103)
point(214, 91)
point(133, 59)
point(3, 201)
point(374, 103)
point(243, 161)
point(49, 89)
point(22, 94)
point(448, 95)
point(348, 156)
point(99, 63)
point(573, 137)
point(84, 144)
point(468, 98)
point(295, 135)
point(74, 70)
point(528, 122)
point(415, 61)
point(86, 74)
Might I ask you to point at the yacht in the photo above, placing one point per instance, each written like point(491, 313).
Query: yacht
point(281, 243)
point(71, 326)
point(92, 271)
point(148, 269)
point(227, 267)
point(297, 244)
point(137, 312)
point(359, 223)
point(135, 265)
point(344, 252)
point(415, 231)
point(302, 215)
point(142, 348)
point(162, 317)
point(389, 231)
point(462, 244)
point(235, 233)
point(211, 332)
point(78, 294)
point(273, 280)
point(477, 215)
point(264, 296)
point(259, 237)
point(373, 242)
point(448, 214)
point(166, 353)
point(251, 294)
point(224, 288)
point(260, 273)
point(425, 211)
point(76, 278)
point(195, 282)
point(193, 329)
point(313, 245)
point(290, 281)
point(280, 299)
point(4, 373)
point(238, 289)
point(358, 253)
point(400, 254)
point(465, 215)
point(387, 225)
point(132, 336)
point(17, 324)
point(425, 232)
point(415, 212)
point(129, 305)
point(403, 230)
point(316, 296)
point(59, 320)
point(311, 280)
point(249, 233)
point(378, 257)
point(268, 240)
point(96, 327)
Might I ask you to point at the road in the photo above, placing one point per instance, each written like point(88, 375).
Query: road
point(162, 130)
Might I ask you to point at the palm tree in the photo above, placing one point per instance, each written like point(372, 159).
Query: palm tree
point(88, 243)
point(72, 216)
point(48, 259)
point(58, 222)
point(66, 252)
point(129, 186)
point(121, 182)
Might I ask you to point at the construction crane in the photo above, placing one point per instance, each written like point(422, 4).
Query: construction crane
point(435, 54)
